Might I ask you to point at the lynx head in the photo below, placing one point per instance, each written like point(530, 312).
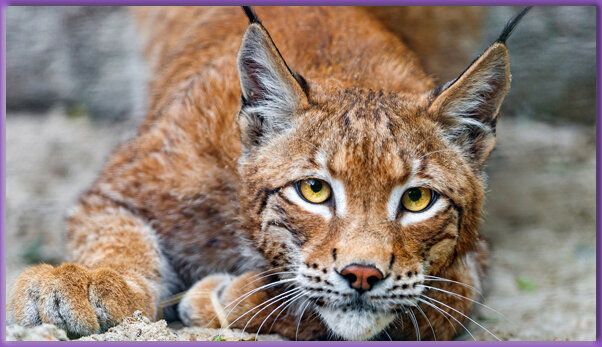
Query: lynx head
point(358, 195)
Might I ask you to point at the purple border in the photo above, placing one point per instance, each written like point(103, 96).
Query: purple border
point(5, 3)
point(304, 2)
point(598, 156)
point(2, 166)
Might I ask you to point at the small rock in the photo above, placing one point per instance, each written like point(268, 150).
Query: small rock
point(44, 332)
point(136, 328)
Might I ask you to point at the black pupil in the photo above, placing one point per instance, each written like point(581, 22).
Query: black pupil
point(315, 186)
point(415, 194)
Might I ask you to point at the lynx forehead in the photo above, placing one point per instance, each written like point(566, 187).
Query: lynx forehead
point(335, 197)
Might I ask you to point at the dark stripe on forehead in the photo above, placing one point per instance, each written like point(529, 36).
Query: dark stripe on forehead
point(284, 198)
point(312, 155)
point(281, 211)
point(264, 195)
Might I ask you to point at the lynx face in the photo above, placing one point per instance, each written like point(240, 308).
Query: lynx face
point(359, 195)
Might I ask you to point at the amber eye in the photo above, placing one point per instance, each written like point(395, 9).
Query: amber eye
point(314, 190)
point(416, 199)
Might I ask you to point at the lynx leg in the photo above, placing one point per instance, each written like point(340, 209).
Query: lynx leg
point(116, 271)
point(249, 302)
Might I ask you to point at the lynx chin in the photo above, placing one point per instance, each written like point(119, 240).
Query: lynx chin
point(306, 176)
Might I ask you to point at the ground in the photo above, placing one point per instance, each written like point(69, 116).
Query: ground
point(540, 219)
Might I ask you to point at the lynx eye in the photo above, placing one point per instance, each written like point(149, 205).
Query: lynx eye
point(416, 199)
point(314, 190)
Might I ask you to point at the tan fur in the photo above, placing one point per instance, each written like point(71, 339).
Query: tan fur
point(179, 203)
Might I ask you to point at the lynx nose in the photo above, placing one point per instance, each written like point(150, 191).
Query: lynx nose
point(361, 277)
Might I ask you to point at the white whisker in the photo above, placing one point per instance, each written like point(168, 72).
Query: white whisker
point(273, 300)
point(283, 309)
point(465, 316)
point(300, 317)
point(415, 323)
point(441, 279)
point(445, 314)
point(242, 297)
point(263, 275)
point(463, 297)
point(428, 321)
point(289, 300)
point(257, 306)
point(389, 336)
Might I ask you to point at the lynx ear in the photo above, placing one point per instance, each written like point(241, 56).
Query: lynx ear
point(469, 105)
point(271, 91)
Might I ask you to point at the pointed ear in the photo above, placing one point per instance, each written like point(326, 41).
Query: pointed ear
point(271, 91)
point(469, 105)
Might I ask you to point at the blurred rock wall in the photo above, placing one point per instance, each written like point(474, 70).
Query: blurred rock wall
point(90, 57)
point(553, 61)
point(77, 57)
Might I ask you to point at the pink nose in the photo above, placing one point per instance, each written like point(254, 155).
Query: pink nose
point(361, 277)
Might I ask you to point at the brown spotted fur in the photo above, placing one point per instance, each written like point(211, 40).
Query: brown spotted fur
point(175, 208)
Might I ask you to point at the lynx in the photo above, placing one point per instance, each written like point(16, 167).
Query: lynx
point(335, 197)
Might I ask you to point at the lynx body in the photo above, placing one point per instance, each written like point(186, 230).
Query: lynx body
point(324, 189)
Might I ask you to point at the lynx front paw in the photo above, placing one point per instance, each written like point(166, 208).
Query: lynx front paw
point(220, 300)
point(79, 300)
point(198, 307)
point(249, 302)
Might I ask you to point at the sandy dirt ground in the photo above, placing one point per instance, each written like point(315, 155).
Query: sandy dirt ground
point(540, 219)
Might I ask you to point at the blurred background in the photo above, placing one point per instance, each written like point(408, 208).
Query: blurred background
point(76, 87)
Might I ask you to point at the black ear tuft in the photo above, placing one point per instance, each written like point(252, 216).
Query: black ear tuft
point(468, 106)
point(271, 92)
point(252, 16)
point(511, 25)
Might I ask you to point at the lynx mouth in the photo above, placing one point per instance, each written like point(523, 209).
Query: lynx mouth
point(360, 315)
point(360, 318)
point(394, 303)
